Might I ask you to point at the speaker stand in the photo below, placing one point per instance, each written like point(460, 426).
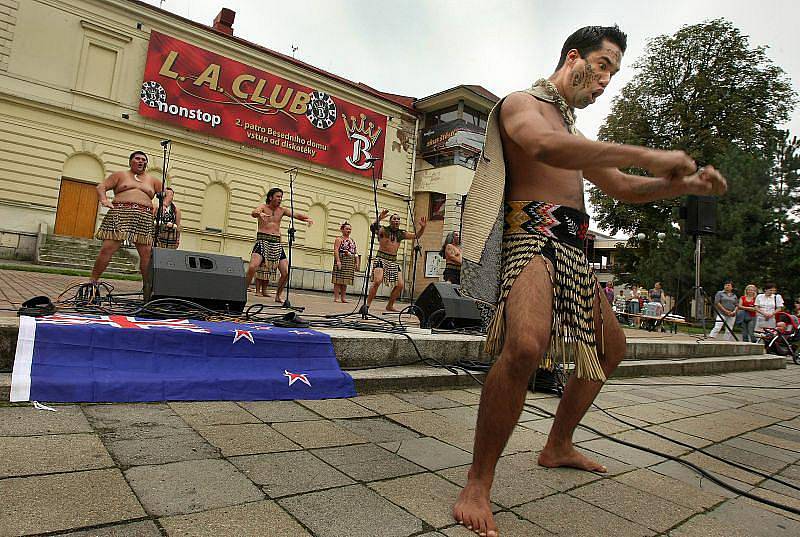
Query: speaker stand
point(700, 296)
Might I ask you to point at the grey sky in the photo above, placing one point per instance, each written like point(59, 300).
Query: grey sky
point(421, 47)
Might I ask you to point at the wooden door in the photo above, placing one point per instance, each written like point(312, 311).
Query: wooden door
point(77, 209)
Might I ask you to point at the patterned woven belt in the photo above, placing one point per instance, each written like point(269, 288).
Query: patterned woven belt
point(132, 205)
point(559, 222)
point(268, 237)
point(386, 256)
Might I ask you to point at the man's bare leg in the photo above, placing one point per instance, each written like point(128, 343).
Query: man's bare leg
point(283, 269)
point(528, 316)
point(579, 395)
point(145, 252)
point(255, 262)
point(396, 290)
point(377, 280)
point(104, 258)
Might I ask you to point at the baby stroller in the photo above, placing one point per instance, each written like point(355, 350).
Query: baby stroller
point(784, 339)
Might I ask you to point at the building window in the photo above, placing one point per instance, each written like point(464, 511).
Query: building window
point(475, 118)
point(437, 206)
point(449, 157)
point(442, 116)
point(215, 205)
point(316, 234)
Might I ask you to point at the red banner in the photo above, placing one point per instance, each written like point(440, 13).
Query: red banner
point(205, 92)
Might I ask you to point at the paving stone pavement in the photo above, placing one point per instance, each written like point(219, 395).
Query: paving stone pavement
point(392, 464)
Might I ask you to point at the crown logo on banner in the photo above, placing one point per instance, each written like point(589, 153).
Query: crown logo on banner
point(362, 127)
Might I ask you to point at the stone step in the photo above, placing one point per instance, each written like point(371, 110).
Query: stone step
point(118, 256)
point(650, 348)
point(113, 267)
point(74, 251)
point(78, 251)
point(420, 377)
point(357, 349)
point(61, 258)
point(61, 239)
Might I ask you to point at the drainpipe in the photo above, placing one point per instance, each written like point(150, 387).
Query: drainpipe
point(411, 188)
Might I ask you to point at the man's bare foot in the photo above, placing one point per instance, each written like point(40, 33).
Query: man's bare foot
point(391, 308)
point(571, 458)
point(278, 299)
point(343, 301)
point(473, 510)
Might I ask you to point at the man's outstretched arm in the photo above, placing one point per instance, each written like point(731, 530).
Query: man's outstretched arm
point(419, 231)
point(525, 126)
point(637, 189)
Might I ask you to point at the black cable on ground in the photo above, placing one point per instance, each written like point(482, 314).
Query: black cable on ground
point(691, 465)
point(701, 385)
point(698, 449)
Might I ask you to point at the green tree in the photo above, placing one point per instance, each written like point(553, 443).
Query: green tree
point(785, 202)
point(707, 91)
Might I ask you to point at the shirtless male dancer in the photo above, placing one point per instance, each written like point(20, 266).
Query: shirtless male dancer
point(130, 215)
point(268, 247)
point(385, 268)
point(452, 257)
point(550, 304)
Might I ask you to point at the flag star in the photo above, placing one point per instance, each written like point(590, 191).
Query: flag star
point(243, 334)
point(301, 333)
point(262, 328)
point(294, 377)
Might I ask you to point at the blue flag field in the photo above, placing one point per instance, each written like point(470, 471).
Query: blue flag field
point(114, 358)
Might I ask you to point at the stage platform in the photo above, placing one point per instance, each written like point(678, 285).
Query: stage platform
point(388, 361)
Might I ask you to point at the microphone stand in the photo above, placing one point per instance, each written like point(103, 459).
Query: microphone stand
point(165, 144)
point(364, 310)
point(417, 249)
point(292, 175)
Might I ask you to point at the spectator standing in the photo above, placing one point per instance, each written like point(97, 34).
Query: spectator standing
point(633, 304)
point(747, 313)
point(768, 303)
point(609, 290)
point(657, 294)
point(725, 302)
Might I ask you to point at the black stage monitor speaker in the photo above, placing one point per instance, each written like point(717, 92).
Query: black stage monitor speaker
point(442, 306)
point(701, 215)
point(211, 280)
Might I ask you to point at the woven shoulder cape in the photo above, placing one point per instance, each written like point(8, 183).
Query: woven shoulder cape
point(482, 223)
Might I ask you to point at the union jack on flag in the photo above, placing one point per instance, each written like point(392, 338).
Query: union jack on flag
point(121, 321)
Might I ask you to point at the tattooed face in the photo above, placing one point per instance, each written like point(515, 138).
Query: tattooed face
point(588, 77)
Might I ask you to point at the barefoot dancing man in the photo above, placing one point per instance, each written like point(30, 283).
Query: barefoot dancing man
point(385, 268)
point(130, 215)
point(527, 194)
point(268, 247)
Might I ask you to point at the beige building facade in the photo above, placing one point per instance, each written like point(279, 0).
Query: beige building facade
point(452, 129)
point(71, 74)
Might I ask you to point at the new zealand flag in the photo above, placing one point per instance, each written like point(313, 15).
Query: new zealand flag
point(114, 358)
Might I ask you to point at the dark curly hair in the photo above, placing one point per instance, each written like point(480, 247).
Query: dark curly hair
point(590, 38)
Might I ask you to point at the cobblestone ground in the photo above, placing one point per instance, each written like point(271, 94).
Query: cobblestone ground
point(391, 465)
